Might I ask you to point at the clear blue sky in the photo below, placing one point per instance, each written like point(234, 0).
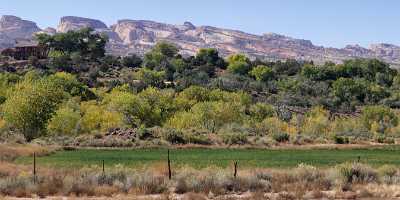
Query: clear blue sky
point(332, 23)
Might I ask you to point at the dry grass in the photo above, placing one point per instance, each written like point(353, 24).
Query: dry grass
point(350, 180)
point(11, 152)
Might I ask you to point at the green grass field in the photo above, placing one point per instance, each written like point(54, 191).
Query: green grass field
point(200, 158)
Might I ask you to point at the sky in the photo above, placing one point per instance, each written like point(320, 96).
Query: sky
point(331, 23)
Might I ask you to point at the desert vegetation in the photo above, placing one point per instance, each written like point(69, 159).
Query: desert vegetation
point(82, 97)
point(345, 181)
point(224, 109)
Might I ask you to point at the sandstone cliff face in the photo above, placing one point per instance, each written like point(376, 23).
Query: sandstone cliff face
point(13, 28)
point(138, 36)
point(71, 23)
point(49, 31)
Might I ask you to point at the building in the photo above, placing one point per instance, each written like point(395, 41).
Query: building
point(25, 49)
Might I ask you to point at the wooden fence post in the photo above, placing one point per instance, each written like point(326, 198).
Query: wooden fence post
point(34, 167)
point(169, 167)
point(235, 164)
point(103, 168)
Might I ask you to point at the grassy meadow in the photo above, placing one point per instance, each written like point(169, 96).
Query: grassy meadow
point(202, 158)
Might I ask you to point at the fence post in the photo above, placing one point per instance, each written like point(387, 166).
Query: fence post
point(169, 167)
point(34, 167)
point(103, 168)
point(235, 164)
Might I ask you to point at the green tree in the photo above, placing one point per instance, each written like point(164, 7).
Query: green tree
point(379, 118)
point(31, 105)
point(239, 68)
point(238, 58)
point(65, 121)
point(150, 77)
point(85, 42)
point(208, 115)
point(239, 64)
point(262, 73)
point(70, 84)
point(209, 57)
point(347, 89)
point(132, 61)
point(162, 57)
point(159, 57)
point(136, 110)
point(162, 103)
point(96, 118)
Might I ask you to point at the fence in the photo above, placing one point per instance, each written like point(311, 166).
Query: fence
point(235, 166)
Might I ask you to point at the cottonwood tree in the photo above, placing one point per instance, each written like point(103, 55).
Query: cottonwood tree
point(31, 105)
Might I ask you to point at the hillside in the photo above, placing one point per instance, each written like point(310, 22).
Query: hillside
point(138, 36)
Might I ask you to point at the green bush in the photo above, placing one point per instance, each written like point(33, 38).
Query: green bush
point(281, 137)
point(64, 122)
point(384, 139)
point(197, 139)
point(234, 138)
point(341, 139)
point(145, 133)
point(173, 136)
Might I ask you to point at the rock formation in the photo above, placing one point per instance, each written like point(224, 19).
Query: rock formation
point(71, 23)
point(13, 28)
point(138, 36)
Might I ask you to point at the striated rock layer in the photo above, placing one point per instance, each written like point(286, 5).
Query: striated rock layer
point(138, 36)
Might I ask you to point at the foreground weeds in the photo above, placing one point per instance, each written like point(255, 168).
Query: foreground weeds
point(10, 152)
point(349, 180)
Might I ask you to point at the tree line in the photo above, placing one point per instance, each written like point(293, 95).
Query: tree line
point(82, 90)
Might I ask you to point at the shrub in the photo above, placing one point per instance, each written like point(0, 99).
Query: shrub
point(281, 137)
point(270, 126)
point(311, 175)
point(148, 183)
point(388, 170)
point(316, 123)
point(64, 122)
point(234, 134)
point(384, 139)
point(197, 139)
point(173, 136)
point(357, 173)
point(98, 119)
point(144, 133)
point(379, 118)
point(262, 73)
point(260, 111)
point(349, 127)
point(234, 138)
point(389, 174)
point(210, 115)
point(340, 139)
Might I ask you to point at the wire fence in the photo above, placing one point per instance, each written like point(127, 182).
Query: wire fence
point(235, 165)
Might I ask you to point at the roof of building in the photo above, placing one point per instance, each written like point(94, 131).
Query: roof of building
point(25, 43)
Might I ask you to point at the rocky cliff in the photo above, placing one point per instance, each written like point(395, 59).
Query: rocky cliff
point(71, 23)
point(138, 36)
point(13, 28)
